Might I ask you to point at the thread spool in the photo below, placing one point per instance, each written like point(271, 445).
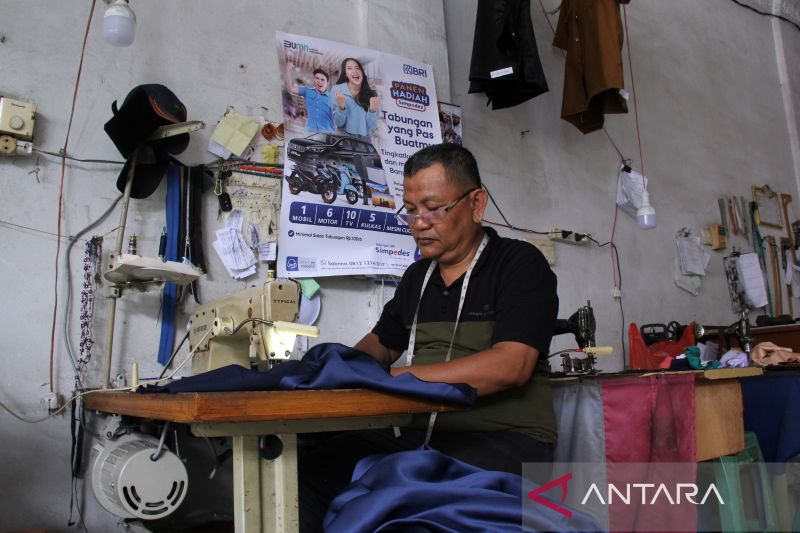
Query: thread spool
point(134, 375)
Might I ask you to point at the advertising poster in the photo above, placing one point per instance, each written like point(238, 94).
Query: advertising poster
point(352, 117)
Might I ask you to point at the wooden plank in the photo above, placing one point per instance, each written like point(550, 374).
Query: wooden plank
point(718, 418)
point(731, 373)
point(259, 406)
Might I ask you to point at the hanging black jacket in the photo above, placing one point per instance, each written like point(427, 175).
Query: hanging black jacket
point(505, 61)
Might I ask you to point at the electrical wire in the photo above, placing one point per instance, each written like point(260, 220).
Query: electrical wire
point(622, 336)
point(81, 394)
point(43, 232)
point(171, 357)
point(633, 88)
point(186, 359)
point(61, 198)
point(507, 223)
point(71, 158)
point(61, 409)
point(765, 14)
point(614, 256)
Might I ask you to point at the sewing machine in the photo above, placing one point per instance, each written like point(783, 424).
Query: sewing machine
point(582, 325)
point(253, 328)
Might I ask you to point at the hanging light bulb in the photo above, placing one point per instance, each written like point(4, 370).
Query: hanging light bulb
point(646, 215)
point(119, 23)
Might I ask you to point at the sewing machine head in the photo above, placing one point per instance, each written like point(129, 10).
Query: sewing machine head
point(253, 328)
point(582, 325)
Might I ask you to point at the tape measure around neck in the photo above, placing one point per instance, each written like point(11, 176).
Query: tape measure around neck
point(462, 297)
point(413, 335)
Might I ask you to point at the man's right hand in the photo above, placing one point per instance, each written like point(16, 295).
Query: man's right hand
point(371, 345)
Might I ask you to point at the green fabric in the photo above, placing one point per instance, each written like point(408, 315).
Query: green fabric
point(693, 357)
point(496, 412)
point(309, 286)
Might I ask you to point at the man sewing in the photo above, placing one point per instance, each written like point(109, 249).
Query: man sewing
point(477, 309)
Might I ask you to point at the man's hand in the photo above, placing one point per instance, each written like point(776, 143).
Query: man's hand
point(371, 345)
point(505, 365)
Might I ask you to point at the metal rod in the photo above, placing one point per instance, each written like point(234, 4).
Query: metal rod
point(112, 311)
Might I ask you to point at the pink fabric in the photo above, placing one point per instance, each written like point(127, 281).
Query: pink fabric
point(649, 420)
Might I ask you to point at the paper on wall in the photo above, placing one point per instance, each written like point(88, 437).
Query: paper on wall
point(234, 253)
point(693, 258)
point(234, 133)
point(751, 278)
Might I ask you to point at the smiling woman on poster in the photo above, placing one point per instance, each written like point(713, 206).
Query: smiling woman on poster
point(356, 104)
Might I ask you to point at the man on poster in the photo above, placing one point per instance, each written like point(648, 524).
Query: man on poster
point(319, 108)
point(477, 309)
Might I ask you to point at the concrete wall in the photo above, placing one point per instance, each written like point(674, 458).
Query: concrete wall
point(212, 55)
point(713, 121)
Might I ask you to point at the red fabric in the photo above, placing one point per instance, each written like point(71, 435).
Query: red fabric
point(649, 420)
point(652, 357)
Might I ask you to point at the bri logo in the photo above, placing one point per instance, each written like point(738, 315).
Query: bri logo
point(414, 71)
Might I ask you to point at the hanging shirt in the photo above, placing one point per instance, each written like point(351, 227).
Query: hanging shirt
point(591, 33)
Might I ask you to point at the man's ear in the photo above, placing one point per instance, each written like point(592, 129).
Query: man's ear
point(479, 202)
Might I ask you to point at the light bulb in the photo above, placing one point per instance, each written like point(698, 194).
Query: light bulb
point(646, 215)
point(119, 24)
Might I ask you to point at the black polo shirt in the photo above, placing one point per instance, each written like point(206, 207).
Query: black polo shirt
point(511, 297)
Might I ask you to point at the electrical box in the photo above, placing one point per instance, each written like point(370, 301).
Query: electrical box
point(17, 118)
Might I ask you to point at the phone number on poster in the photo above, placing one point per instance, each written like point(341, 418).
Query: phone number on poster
point(331, 216)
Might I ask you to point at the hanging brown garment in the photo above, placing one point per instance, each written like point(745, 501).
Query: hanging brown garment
point(591, 33)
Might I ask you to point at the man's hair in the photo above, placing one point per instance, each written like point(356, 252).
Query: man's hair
point(320, 71)
point(459, 164)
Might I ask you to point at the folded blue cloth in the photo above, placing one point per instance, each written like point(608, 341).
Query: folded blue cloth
point(325, 366)
point(425, 490)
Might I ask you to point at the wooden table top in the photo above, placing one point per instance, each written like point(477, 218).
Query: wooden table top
point(216, 407)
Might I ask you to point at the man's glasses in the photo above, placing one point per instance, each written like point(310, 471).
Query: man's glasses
point(434, 216)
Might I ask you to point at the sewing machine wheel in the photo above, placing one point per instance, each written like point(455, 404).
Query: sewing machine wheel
point(674, 330)
point(129, 484)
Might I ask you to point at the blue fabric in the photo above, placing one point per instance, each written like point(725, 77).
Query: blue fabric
point(325, 366)
point(319, 109)
point(578, 405)
point(424, 490)
point(353, 118)
point(169, 295)
point(772, 412)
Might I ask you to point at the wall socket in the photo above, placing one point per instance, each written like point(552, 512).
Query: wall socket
point(567, 236)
